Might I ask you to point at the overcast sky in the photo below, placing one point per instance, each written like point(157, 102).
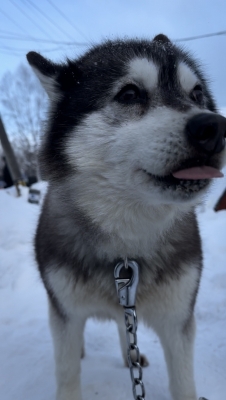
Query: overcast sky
point(26, 25)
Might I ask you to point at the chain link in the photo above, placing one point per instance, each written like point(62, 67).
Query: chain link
point(126, 290)
point(133, 354)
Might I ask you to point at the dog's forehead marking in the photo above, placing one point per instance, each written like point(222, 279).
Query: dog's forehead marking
point(144, 71)
point(187, 77)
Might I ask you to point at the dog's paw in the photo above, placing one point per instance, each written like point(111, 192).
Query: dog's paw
point(143, 361)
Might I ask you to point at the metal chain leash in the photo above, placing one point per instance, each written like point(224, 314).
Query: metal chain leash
point(133, 354)
point(126, 290)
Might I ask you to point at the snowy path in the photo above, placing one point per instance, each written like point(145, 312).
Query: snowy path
point(26, 356)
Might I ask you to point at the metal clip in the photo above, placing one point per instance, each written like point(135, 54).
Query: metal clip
point(127, 287)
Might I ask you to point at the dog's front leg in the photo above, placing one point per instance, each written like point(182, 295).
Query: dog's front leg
point(68, 343)
point(177, 341)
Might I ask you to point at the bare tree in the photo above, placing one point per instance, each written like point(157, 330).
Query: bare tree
point(24, 103)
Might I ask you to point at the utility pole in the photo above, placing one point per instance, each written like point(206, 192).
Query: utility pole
point(10, 157)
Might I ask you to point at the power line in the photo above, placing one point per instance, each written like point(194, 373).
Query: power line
point(8, 50)
point(33, 39)
point(47, 18)
point(15, 36)
point(10, 53)
point(66, 19)
point(207, 35)
point(9, 33)
point(5, 49)
point(23, 51)
point(29, 38)
point(12, 20)
point(29, 17)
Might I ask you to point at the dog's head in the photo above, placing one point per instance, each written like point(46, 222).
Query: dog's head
point(131, 118)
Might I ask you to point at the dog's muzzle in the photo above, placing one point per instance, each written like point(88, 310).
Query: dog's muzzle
point(207, 132)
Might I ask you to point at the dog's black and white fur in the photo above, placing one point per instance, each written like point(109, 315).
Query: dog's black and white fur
point(118, 128)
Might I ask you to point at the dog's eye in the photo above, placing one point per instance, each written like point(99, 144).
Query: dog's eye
point(197, 94)
point(130, 94)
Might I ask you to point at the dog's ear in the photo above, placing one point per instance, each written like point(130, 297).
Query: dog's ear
point(55, 78)
point(161, 38)
point(45, 70)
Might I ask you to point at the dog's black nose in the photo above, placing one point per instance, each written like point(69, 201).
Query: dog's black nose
point(207, 132)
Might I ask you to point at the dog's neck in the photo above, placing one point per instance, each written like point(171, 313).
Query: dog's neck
point(138, 231)
point(132, 228)
point(128, 227)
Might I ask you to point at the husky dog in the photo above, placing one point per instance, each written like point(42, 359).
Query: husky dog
point(133, 140)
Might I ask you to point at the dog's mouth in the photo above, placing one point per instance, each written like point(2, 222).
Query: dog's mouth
point(190, 177)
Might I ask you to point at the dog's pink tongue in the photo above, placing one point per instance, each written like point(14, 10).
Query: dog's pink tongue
point(198, 173)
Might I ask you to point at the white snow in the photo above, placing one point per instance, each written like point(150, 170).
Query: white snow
point(223, 111)
point(26, 361)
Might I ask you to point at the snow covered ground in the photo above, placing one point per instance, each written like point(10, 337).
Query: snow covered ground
point(26, 355)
